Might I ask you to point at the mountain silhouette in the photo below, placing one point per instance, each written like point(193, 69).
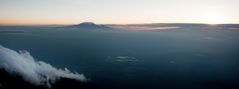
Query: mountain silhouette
point(90, 26)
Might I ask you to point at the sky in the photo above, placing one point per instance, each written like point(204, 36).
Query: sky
point(43, 12)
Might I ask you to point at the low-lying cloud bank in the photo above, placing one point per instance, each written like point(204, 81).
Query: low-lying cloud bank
point(145, 28)
point(36, 72)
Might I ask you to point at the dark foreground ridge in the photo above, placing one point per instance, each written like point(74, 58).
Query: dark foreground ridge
point(8, 81)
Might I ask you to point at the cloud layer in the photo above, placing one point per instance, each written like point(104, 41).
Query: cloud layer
point(31, 70)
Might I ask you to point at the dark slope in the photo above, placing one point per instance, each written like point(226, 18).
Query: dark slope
point(8, 81)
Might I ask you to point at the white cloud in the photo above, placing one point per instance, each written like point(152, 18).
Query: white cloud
point(33, 71)
point(126, 59)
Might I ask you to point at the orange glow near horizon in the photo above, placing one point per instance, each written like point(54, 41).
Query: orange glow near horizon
point(205, 20)
point(67, 12)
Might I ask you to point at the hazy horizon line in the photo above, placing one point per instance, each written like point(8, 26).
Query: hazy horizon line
point(111, 24)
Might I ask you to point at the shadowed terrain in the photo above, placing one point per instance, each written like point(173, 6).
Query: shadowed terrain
point(8, 81)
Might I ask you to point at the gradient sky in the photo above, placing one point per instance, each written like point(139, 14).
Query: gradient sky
point(30, 12)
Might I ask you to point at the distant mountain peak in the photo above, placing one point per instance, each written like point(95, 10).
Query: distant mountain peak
point(86, 24)
point(90, 25)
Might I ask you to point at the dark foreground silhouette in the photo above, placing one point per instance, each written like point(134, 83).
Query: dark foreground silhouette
point(8, 81)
